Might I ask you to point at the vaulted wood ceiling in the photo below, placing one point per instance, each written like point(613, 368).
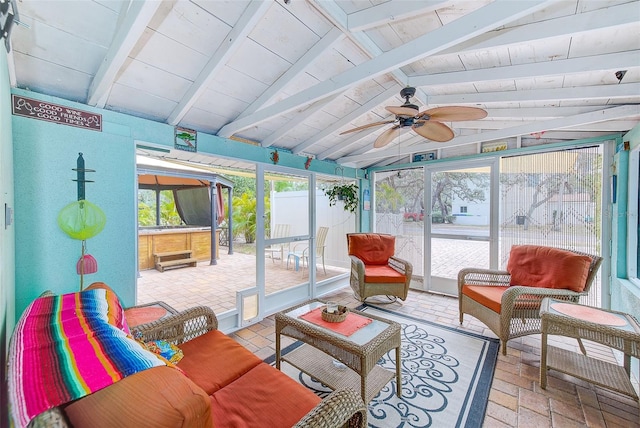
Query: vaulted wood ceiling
point(294, 74)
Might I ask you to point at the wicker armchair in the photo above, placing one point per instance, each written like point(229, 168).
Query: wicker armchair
point(375, 270)
point(341, 408)
point(511, 309)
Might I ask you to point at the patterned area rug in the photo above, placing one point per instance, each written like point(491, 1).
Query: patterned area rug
point(446, 376)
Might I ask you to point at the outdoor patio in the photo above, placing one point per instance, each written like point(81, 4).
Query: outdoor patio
point(216, 285)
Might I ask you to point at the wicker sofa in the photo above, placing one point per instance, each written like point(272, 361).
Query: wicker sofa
point(218, 383)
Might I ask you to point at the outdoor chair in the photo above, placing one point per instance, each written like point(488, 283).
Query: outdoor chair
point(375, 270)
point(279, 231)
point(301, 258)
point(508, 302)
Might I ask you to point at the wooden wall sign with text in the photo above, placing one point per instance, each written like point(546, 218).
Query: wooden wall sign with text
point(42, 110)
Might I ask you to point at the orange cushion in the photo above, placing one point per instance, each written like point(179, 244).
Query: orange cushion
point(381, 274)
point(264, 397)
point(546, 267)
point(214, 360)
point(489, 296)
point(146, 399)
point(371, 248)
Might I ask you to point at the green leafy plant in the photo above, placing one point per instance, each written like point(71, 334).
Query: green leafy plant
point(347, 193)
point(244, 216)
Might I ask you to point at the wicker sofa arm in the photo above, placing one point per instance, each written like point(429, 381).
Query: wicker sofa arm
point(180, 327)
point(342, 408)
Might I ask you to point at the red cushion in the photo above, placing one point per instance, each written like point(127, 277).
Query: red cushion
point(146, 399)
point(489, 296)
point(371, 248)
point(538, 266)
point(214, 360)
point(264, 397)
point(381, 274)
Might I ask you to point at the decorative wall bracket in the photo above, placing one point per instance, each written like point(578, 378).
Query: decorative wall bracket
point(275, 157)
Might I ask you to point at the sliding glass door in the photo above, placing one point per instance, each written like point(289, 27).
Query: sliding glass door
point(460, 223)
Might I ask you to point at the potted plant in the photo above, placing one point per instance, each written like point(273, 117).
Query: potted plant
point(348, 193)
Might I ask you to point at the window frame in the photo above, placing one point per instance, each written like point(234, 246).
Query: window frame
point(633, 202)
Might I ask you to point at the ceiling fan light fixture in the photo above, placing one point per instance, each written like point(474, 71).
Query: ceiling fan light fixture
point(427, 124)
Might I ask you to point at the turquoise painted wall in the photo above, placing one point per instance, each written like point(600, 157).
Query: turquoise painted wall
point(625, 296)
point(45, 154)
point(7, 280)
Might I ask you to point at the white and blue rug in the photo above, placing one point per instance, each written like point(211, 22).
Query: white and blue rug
point(446, 376)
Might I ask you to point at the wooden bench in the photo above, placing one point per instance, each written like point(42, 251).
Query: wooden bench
point(180, 258)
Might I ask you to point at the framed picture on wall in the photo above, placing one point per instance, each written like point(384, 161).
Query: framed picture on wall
point(494, 146)
point(186, 139)
point(427, 156)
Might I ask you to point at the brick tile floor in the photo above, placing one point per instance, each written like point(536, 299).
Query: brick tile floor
point(516, 399)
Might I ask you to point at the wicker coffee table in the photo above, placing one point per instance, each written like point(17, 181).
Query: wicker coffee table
point(359, 352)
point(614, 329)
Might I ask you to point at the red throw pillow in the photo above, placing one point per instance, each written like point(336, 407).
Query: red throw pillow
point(372, 248)
point(547, 267)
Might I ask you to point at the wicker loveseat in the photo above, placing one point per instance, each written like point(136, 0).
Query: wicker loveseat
point(217, 383)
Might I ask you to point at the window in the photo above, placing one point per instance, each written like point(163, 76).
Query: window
point(633, 234)
point(463, 210)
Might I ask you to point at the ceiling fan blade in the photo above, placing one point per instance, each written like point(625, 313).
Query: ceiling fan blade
point(360, 128)
point(432, 130)
point(402, 111)
point(454, 113)
point(387, 136)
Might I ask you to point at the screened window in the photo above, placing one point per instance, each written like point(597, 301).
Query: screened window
point(553, 199)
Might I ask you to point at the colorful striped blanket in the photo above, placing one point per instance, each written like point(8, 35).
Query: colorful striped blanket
point(67, 346)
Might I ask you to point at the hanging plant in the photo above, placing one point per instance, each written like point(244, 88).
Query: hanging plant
point(347, 193)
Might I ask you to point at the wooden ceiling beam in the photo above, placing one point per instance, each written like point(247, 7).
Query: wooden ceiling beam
point(464, 28)
point(252, 14)
point(134, 19)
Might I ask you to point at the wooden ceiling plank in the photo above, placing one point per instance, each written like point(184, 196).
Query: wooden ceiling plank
point(252, 14)
point(362, 40)
point(138, 14)
point(543, 112)
point(622, 90)
point(571, 25)
point(349, 142)
point(298, 68)
point(466, 27)
point(388, 12)
point(614, 61)
point(345, 120)
point(299, 118)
